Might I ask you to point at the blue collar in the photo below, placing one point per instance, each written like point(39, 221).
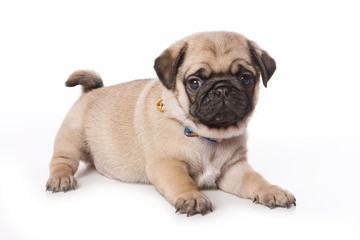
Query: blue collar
point(190, 133)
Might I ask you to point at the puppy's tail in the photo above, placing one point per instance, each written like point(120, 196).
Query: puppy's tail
point(89, 80)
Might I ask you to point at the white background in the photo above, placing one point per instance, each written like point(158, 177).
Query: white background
point(304, 135)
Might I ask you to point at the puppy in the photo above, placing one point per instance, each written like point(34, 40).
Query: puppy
point(181, 132)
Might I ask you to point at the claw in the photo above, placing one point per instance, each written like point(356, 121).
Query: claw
point(189, 214)
point(205, 211)
point(272, 206)
point(193, 213)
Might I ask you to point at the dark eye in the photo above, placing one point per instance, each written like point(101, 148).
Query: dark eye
point(194, 83)
point(246, 79)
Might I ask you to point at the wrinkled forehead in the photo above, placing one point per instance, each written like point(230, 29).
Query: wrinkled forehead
point(218, 55)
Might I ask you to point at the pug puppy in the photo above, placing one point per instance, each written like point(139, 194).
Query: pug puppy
point(181, 132)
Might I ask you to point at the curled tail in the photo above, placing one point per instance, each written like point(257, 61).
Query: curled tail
point(89, 80)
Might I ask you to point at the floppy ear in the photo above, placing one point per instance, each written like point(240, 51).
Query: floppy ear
point(167, 64)
point(265, 62)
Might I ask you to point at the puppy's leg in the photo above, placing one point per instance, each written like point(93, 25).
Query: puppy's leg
point(65, 160)
point(240, 179)
point(171, 179)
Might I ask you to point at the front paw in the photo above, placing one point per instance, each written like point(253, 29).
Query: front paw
point(62, 183)
point(274, 196)
point(192, 203)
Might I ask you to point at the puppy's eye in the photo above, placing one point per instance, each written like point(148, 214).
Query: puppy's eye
point(246, 79)
point(194, 83)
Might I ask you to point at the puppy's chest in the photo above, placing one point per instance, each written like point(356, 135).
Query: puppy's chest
point(206, 168)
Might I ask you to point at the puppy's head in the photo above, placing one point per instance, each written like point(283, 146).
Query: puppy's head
point(215, 77)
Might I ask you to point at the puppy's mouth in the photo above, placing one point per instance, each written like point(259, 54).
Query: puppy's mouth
point(222, 105)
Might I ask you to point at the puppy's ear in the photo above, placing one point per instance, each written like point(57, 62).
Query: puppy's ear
point(265, 62)
point(167, 64)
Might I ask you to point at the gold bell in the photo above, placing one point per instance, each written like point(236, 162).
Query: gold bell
point(160, 106)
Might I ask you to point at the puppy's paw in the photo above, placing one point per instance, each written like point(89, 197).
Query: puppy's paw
point(274, 196)
point(192, 203)
point(61, 183)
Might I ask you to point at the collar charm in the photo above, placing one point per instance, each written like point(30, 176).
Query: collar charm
point(160, 106)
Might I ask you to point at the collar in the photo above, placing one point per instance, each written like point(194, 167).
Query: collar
point(190, 133)
point(160, 106)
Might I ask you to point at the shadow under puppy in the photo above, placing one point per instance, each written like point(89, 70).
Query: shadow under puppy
point(181, 132)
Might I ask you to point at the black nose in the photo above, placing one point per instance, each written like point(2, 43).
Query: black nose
point(222, 92)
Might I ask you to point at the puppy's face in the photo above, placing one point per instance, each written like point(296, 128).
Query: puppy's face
point(215, 77)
